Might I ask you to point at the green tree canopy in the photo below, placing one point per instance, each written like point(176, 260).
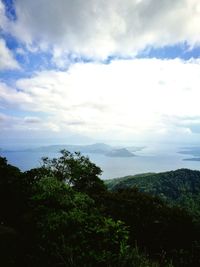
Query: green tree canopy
point(73, 168)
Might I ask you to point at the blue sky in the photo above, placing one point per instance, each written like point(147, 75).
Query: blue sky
point(100, 71)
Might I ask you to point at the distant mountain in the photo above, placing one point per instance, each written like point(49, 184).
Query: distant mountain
point(123, 152)
point(98, 148)
point(192, 151)
point(135, 148)
point(180, 187)
point(192, 159)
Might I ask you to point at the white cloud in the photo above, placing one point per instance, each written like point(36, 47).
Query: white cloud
point(2, 118)
point(124, 99)
point(20, 51)
point(12, 97)
point(7, 60)
point(32, 120)
point(100, 28)
point(29, 124)
point(8, 122)
point(3, 19)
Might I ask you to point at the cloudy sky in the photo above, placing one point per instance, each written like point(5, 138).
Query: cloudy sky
point(100, 70)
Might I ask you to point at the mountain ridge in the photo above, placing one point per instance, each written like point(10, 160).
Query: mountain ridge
point(97, 148)
point(180, 187)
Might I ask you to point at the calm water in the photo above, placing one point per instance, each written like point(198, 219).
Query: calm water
point(148, 160)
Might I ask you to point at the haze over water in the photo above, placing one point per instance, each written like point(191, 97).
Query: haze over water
point(153, 158)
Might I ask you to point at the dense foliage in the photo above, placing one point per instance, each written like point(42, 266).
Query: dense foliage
point(62, 215)
point(180, 187)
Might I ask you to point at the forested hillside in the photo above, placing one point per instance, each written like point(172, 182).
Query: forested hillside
point(180, 187)
point(61, 214)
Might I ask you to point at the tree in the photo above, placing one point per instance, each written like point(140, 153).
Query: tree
point(11, 197)
point(66, 229)
point(45, 222)
point(76, 170)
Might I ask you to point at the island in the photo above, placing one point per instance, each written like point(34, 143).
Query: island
point(98, 148)
point(123, 152)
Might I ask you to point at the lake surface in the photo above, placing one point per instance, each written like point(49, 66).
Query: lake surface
point(150, 159)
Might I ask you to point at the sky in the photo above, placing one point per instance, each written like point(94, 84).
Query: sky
point(96, 70)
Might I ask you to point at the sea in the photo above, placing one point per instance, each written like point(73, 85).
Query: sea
point(155, 158)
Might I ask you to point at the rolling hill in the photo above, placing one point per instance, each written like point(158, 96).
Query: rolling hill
point(180, 187)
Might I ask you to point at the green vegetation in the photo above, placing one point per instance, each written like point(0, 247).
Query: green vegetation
point(180, 187)
point(61, 214)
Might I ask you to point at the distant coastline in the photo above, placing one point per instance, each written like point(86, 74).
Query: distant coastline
point(98, 148)
point(192, 159)
point(194, 152)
